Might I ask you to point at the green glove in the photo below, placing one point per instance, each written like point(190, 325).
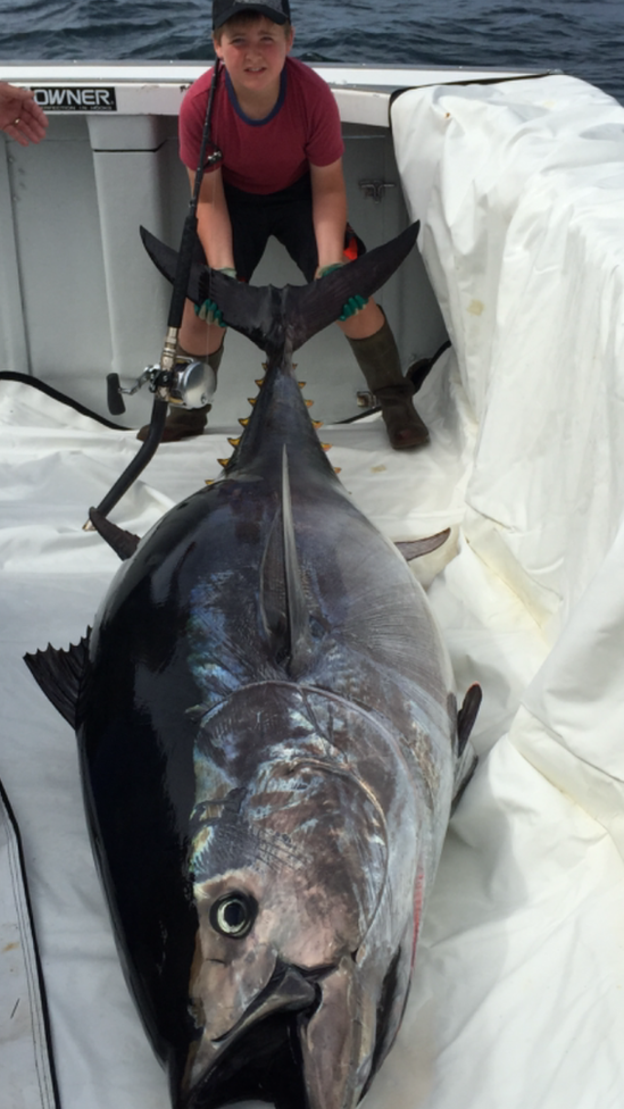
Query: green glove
point(353, 306)
point(209, 310)
point(354, 303)
point(328, 269)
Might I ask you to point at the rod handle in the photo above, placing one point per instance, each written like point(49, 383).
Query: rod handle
point(116, 405)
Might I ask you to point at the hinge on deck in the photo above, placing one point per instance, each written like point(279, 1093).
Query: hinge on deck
point(376, 189)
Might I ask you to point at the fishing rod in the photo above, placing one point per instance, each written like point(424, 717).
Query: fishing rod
point(174, 378)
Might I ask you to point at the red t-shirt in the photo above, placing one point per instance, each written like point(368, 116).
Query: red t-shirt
point(265, 155)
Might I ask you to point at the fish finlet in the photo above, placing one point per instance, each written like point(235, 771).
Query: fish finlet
point(234, 442)
point(252, 400)
point(243, 421)
point(224, 462)
point(308, 403)
point(326, 446)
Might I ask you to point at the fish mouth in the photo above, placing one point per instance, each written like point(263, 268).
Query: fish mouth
point(260, 1057)
point(264, 1064)
point(276, 1053)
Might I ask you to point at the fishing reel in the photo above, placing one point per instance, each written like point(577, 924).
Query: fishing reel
point(188, 384)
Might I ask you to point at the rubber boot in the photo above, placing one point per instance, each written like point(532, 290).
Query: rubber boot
point(183, 423)
point(378, 358)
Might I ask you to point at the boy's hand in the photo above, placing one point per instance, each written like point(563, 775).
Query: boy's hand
point(209, 310)
point(354, 303)
point(352, 307)
point(209, 313)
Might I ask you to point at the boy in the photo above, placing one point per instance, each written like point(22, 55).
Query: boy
point(277, 125)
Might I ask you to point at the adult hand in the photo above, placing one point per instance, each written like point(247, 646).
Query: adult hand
point(354, 303)
point(21, 118)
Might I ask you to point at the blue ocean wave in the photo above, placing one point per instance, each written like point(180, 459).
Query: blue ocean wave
point(581, 37)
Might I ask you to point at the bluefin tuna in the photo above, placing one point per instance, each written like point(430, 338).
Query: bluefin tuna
point(270, 748)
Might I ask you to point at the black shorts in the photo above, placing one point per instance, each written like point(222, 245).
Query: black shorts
point(287, 215)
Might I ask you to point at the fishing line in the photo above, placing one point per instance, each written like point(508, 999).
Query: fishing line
point(189, 231)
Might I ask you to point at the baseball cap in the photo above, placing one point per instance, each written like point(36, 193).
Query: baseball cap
point(276, 10)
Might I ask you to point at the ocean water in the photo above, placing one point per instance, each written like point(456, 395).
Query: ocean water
point(581, 37)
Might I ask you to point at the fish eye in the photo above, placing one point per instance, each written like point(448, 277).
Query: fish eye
point(233, 915)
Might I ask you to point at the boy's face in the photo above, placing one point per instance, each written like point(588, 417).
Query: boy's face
point(254, 54)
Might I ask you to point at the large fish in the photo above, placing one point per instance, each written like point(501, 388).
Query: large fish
point(270, 748)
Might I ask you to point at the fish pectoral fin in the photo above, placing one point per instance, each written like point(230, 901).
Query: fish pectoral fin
point(60, 675)
point(421, 368)
point(466, 757)
point(464, 772)
point(283, 603)
point(467, 715)
point(415, 548)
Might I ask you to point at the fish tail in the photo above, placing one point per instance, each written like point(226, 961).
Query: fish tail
point(275, 318)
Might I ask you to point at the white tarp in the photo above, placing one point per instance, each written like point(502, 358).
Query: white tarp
point(518, 997)
point(520, 189)
point(55, 463)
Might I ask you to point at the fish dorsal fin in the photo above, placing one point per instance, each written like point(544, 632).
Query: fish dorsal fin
point(124, 543)
point(60, 675)
point(273, 589)
point(415, 548)
point(296, 605)
point(282, 598)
